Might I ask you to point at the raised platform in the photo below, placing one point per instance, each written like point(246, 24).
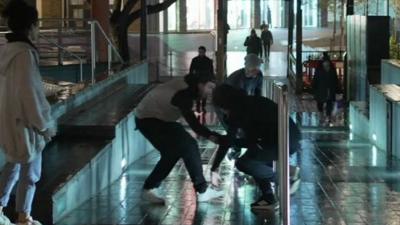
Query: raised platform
point(359, 119)
point(98, 118)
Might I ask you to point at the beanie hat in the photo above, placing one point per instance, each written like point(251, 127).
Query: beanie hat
point(252, 60)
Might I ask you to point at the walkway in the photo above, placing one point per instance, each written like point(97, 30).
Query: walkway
point(345, 181)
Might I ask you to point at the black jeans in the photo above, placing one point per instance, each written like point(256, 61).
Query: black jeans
point(261, 170)
point(329, 107)
point(173, 142)
point(267, 49)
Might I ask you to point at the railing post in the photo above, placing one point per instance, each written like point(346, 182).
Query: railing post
point(283, 157)
point(109, 60)
point(59, 40)
point(158, 71)
point(81, 70)
point(170, 63)
point(93, 49)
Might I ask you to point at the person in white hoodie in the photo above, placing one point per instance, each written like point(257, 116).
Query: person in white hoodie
point(26, 122)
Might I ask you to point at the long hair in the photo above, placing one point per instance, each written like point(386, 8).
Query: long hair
point(20, 16)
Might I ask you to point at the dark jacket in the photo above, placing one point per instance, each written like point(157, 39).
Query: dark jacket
point(252, 86)
point(266, 37)
point(325, 85)
point(258, 119)
point(254, 45)
point(201, 64)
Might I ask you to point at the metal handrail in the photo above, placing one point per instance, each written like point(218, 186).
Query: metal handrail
point(93, 24)
point(69, 52)
point(108, 40)
point(281, 97)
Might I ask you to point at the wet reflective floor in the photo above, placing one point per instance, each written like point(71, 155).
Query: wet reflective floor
point(344, 181)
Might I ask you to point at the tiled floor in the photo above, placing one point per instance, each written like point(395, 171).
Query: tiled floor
point(344, 181)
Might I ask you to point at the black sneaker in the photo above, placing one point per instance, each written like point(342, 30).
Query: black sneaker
point(269, 203)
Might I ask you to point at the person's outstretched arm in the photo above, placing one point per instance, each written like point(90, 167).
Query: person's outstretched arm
point(184, 102)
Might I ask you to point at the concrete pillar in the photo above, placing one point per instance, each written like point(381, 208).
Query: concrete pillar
point(256, 6)
point(182, 18)
point(101, 13)
point(299, 48)
point(143, 30)
point(222, 30)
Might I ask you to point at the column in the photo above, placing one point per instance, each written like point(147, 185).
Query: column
point(222, 30)
point(256, 6)
point(143, 30)
point(299, 49)
point(101, 13)
point(182, 19)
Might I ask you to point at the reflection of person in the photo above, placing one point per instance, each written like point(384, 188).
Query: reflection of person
point(325, 86)
point(253, 44)
point(268, 40)
point(258, 118)
point(156, 119)
point(26, 122)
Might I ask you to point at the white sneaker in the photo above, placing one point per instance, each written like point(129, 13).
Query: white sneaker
point(29, 221)
point(152, 197)
point(4, 220)
point(209, 194)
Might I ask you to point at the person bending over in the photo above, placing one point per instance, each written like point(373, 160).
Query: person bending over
point(156, 119)
point(258, 118)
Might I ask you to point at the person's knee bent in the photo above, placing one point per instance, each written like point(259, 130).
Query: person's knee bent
point(29, 177)
point(240, 164)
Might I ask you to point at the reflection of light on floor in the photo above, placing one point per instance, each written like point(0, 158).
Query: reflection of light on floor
point(351, 136)
point(122, 191)
point(351, 158)
point(374, 137)
point(374, 156)
point(123, 163)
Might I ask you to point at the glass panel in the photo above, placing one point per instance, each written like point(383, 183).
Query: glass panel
point(172, 17)
point(76, 2)
point(239, 14)
point(200, 14)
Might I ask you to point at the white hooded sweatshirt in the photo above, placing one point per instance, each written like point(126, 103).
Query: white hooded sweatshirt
point(24, 109)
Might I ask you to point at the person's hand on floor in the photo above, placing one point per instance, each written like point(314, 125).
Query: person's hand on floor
point(215, 178)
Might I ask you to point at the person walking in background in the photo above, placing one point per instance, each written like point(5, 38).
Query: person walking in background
point(253, 44)
point(249, 78)
point(325, 85)
point(201, 64)
point(25, 118)
point(263, 25)
point(267, 40)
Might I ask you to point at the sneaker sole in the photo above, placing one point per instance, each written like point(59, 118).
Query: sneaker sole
point(269, 207)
